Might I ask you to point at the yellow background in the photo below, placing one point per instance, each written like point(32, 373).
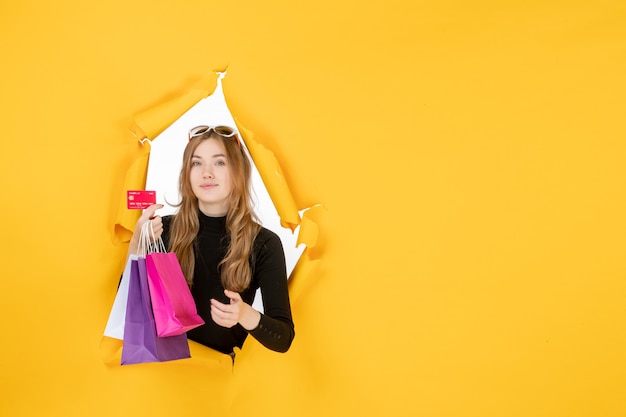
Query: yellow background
point(469, 157)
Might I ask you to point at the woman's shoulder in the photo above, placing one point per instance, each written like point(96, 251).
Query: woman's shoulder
point(267, 237)
point(268, 248)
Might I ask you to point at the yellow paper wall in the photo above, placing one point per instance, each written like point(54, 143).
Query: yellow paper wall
point(469, 157)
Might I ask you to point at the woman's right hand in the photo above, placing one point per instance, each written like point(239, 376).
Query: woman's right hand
point(147, 216)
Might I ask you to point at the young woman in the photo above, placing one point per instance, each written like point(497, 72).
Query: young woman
point(224, 253)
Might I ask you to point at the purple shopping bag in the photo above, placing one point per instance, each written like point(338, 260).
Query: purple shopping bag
point(141, 343)
point(172, 303)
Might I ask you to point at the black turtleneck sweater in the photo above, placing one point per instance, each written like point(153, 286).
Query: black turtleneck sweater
point(275, 330)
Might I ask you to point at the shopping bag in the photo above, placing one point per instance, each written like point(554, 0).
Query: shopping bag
point(117, 316)
point(172, 303)
point(141, 343)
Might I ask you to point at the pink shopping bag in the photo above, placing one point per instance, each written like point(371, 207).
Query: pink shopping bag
point(172, 303)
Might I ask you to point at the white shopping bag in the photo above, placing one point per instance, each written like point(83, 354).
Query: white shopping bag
point(117, 317)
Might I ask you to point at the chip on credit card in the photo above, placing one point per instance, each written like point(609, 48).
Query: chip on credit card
point(140, 199)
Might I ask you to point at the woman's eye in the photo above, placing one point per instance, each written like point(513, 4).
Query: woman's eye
point(220, 163)
point(195, 164)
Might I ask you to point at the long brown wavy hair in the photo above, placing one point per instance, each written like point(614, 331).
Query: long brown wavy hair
point(241, 222)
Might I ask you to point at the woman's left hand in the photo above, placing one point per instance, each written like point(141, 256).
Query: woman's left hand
point(228, 315)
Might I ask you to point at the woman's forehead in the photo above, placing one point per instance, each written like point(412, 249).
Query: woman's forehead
point(209, 148)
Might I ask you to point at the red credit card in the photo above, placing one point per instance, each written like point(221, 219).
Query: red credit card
point(139, 199)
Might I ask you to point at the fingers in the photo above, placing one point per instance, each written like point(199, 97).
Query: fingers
point(156, 227)
point(149, 212)
point(149, 215)
point(225, 315)
point(221, 307)
point(228, 323)
point(234, 296)
point(237, 312)
point(156, 224)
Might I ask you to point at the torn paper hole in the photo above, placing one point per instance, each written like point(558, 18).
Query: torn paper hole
point(166, 160)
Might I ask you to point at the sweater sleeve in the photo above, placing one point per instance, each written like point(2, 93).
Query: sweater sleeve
point(165, 236)
point(276, 329)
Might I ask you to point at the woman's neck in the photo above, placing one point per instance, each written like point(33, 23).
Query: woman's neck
point(212, 211)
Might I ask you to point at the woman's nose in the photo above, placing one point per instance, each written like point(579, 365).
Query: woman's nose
point(207, 174)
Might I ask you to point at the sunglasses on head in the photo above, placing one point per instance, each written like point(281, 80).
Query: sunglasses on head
point(224, 131)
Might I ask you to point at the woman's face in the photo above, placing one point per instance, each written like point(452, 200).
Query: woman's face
point(210, 177)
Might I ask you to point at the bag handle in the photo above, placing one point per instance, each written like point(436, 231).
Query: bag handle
point(148, 243)
point(144, 241)
point(157, 244)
